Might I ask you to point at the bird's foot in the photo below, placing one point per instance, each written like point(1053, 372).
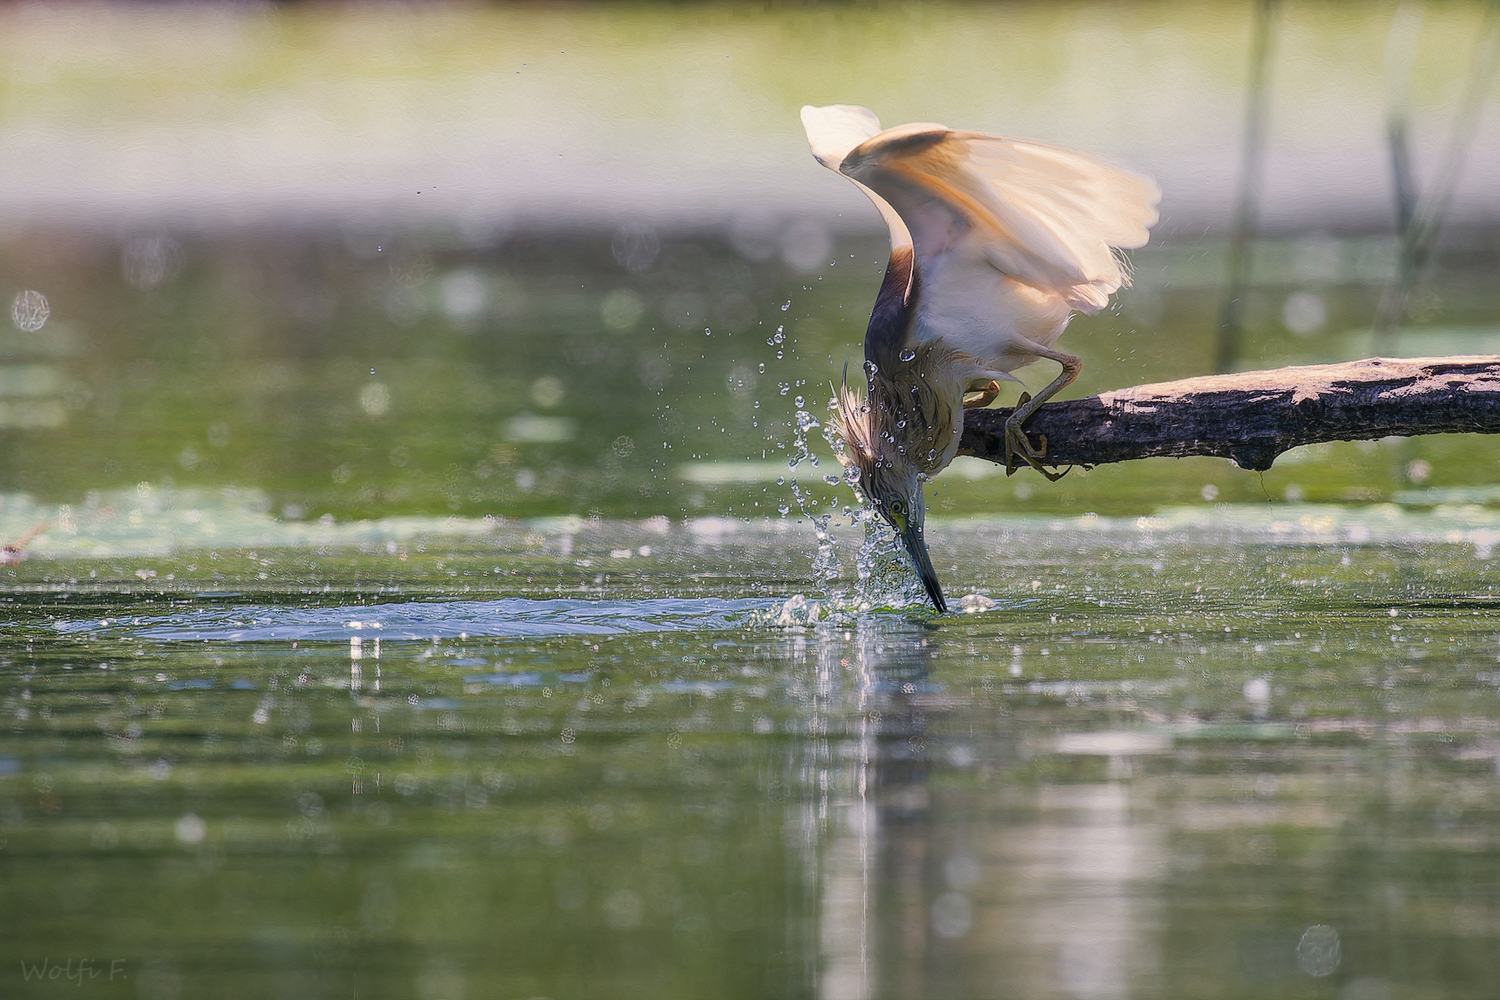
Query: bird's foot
point(1018, 449)
point(984, 398)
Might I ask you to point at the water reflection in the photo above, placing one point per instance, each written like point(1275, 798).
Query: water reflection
point(870, 782)
point(1058, 900)
point(1081, 881)
point(1150, 769)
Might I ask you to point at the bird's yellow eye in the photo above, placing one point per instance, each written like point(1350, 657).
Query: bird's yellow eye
point(897, 507)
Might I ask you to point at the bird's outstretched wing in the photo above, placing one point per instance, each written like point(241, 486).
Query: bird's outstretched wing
point(832, 132)
point(1046, 216)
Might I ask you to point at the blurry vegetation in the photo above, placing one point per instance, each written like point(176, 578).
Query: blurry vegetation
point(127, 67)
point(245, 289)
point(627, 373)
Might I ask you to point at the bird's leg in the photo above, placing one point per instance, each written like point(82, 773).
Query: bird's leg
point(1017, 448)
point(985, 397)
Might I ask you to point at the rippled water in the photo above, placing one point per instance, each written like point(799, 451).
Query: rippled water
point(505, 618)
point(1233, 751)
point(617, 724)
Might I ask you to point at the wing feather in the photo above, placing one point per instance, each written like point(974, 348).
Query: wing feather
point(832, 132)
point(1043, 215)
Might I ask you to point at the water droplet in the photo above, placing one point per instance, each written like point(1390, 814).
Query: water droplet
point(781, 480)
point(1318, 952)
point(901, 423)
point(787, 305)
point(762, 367)
point(800, 401)
point(29, 311)
point(907, 355)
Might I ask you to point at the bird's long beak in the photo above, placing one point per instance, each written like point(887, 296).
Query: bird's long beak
point(916, 547)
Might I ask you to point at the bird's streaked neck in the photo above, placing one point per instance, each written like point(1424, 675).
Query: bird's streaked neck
point(890, 321)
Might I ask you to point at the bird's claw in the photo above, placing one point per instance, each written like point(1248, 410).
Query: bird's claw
point(1018, 449)
point(984, 398)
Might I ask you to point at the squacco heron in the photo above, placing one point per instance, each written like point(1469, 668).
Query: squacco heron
point(995, 243)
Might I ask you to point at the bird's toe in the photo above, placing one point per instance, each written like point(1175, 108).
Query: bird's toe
point(1019, 449)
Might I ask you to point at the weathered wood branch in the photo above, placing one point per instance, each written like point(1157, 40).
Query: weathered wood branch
point(1251, 417)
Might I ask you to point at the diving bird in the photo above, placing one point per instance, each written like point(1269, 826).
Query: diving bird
point(995, 243)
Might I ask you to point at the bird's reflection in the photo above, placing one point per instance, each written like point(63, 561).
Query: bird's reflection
point(869, 741)
point(1011, 888)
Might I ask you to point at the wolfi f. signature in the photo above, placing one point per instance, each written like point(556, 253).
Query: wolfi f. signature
point(85, 969)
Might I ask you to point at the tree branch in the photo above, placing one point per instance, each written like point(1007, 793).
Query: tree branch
point(1251, 417)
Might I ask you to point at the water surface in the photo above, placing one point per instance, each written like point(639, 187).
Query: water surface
point(1218, 752)
point(428, 604)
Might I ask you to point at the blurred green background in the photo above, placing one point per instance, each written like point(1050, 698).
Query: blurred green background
point(514, 261)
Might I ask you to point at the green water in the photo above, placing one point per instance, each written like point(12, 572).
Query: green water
point(438, 608)
point(421, 617)
point(1223, 751)
point(372, 374)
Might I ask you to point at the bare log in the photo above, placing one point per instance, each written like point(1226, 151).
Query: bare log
point(1251, 417)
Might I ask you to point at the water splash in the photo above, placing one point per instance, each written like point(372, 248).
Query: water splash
point(826, 566)
point(798, 611)
point(884, 579)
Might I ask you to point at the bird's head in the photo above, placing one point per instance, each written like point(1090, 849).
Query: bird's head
point(873, 449)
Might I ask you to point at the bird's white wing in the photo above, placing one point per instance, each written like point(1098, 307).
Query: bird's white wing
point(1046, 216)
point(834, 131)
